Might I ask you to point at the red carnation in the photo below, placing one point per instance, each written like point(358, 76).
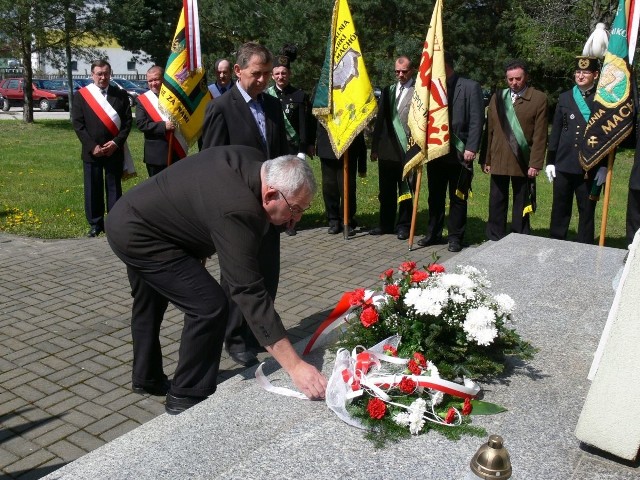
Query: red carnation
point(420, 360)
point(392, 290)
point(369, 316)
point(451, 415)
point(435, 268)
point(390, 350)
point(413, 367)
point(387, 274)
point(407, 385)
point(467, 407)
point(357, 296)
point(407, 267)
point(419, 276)
point(376, 408)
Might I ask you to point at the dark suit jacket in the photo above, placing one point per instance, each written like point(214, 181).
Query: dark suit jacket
point(357, 149)
point(385, 141)
point(466, 116)
point(92, 132)
point(531, 110)
point(206, 203)
point(567, 134)
point(228, 121)
point(156, 146)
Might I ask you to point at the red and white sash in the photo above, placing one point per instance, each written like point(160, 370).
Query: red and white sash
point(150, 103)
point(111, 120)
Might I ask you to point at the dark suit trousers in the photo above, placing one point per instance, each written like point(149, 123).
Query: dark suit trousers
point(187, 284)
point(333, 188)
point(154, 169)
point(633, 214)
point(440, 176)
point(499, 205)
point(238, 336)
point(389, 182)
point(100, 176)
point(564, 187)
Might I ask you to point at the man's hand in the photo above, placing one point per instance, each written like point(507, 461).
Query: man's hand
point(306, 377)
point(97, 151)
point(551, 172)
point(374, 156)
point(469, 156)
point(486, 168)
point(109, 148)
point(532, 172)
point(601, 176)
point(169, 126)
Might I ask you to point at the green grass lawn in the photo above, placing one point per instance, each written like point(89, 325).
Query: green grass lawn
point(41, 192)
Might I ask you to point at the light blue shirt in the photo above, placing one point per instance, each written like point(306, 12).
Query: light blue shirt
point(257, 111)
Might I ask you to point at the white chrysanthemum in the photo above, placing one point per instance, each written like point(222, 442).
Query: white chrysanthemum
point(457, 298)
point(402, 419)
point(428, 301)
point(436, 397)
point(478, 276)
point(416, 415)
point(455, 280)
point(505, 303)
point(479, 325)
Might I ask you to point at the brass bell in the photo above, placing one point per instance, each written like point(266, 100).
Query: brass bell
point(492, 460)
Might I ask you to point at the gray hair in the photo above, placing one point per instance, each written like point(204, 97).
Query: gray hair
point(289, 174)
point(248, 50)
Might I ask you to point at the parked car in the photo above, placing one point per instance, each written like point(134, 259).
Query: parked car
point(141, 84)
point(131, 88)
point(45, 94)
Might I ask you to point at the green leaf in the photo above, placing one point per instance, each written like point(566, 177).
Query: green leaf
point(486, 408)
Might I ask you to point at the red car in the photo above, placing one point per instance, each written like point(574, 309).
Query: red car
point(45, 95)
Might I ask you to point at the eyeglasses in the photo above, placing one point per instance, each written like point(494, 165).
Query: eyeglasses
point(398, 72)
point(584, 72)
point(295, 210)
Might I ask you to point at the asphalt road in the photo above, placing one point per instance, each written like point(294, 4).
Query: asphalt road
point(15, 113)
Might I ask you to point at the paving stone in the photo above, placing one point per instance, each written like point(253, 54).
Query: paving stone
point(66, 450)
point(105, 424)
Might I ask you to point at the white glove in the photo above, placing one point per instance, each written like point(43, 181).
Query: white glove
point(301, 156)
point(601, 176)
point(551, 172)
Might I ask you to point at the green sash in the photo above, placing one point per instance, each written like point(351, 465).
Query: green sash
point(395, 119)
point(582, 103)
point(517, 142)
point(291, 132)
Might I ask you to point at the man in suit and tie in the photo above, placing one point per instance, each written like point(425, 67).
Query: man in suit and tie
point(246, 116)
point(223, 201)
point(388, 148)
point(455, 170)
point(101, 118)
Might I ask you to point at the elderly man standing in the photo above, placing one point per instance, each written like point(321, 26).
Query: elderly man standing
point(101, 118)
point(223, 81)
point(388, 147)
point(455, 170)
point(223, 201)
point(247, 116)
point(517, 141)
point(563, 166)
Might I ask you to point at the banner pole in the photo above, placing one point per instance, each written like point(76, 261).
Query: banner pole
point(607, 192)
point(345, 194)
point(170, 151)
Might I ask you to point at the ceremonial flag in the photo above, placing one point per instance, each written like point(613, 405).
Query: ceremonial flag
point(184, 94)
point(344, 100)
point(428, 115)
point(611, 119)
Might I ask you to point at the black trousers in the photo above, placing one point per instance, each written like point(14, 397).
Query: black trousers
point(186, 283)
point(238, 336)
point(565, 185)
point(443, 175)
point(499, 205)
point(154, 169)
point(333, 188)
point(102, 175)
point(389, 183)
point(633, 214)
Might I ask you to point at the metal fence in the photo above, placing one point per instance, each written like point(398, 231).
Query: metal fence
point(17, 73)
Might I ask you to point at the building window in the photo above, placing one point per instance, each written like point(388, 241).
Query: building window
point(131, 65)
point(74, 65)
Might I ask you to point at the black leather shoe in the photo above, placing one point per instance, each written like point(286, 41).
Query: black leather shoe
point(429, 240)
point(403, 233)
point(352, 231)
point(158, 389)
point(291, 232)
point(454, 246)
point(246, 358)
point(377, 231)
point(175, 405)
point(334, 228)
point(94, 232)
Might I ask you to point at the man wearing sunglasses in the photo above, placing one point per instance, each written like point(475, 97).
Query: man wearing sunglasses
point(222, 200)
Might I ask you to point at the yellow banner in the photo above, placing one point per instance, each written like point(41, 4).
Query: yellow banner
point(184, 94)
point(344, 101)
point(428, 115)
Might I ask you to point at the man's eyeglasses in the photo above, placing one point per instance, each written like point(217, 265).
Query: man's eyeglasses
point(295, 210)
point(398, 72)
